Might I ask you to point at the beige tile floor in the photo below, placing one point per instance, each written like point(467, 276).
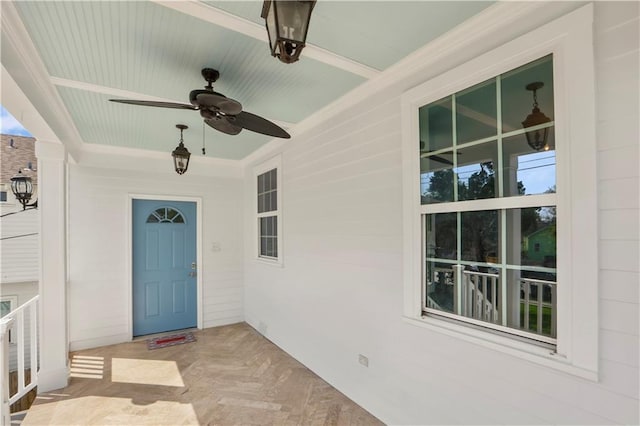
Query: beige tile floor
point(230, 376)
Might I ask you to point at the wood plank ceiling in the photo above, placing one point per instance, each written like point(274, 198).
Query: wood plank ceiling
point(96, 50)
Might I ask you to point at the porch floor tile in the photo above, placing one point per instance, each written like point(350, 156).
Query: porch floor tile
point(230, 376)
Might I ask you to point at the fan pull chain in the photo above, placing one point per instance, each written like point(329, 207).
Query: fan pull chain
point(203, 150)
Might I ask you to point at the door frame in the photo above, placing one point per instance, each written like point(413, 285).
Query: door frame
point(129, 253)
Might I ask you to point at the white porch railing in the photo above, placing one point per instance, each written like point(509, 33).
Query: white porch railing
point(483, 296)
point(544, 306)
point(15, 328)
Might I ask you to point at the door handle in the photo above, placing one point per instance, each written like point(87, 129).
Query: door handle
point(193, 274)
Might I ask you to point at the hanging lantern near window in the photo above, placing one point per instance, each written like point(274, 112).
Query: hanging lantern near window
point(287, 23)
point(181, 154)
point(536, 138)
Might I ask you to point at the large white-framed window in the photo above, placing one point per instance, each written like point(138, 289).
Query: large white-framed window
point(268, 210)
point(500, 231)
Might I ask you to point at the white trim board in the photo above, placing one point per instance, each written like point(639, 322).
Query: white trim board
point(259, 32)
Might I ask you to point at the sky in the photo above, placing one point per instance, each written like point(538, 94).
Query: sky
point(9, 125)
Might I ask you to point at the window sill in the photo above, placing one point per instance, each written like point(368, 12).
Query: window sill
point(270, 262)
point(523, 350)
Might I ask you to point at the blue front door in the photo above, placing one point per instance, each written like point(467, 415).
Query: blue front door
point(164, 268)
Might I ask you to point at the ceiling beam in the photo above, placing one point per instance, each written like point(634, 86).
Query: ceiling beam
point(126, 94)
point(251, 29)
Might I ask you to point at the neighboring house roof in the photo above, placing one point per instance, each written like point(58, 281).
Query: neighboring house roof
point(541, 230)
point(16, 153)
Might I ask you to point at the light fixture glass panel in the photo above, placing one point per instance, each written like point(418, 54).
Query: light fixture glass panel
point(476, 112)
point(527, 171)
point(517, 101)
point(293, 19)
point(271, 25)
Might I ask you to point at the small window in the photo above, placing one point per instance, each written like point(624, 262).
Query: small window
point(268, 210)
point(7, 304)
point(3, 196)
point(165, 215)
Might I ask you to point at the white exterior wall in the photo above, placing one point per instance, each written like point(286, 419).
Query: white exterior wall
point(99, 288)
point(617, 33)
point(340, 292)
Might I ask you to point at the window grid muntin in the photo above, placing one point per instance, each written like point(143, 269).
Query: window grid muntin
point(458, 207)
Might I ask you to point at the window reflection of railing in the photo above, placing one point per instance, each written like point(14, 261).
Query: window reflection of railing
point(538, 311)
point(482, 296)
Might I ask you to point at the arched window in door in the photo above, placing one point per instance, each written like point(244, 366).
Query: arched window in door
point(165, 215)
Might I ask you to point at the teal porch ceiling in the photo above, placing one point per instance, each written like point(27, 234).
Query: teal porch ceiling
point(94, 50)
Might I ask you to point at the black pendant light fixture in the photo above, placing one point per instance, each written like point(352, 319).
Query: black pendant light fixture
point(287, 24)
point(22, 189)
point(537, 138)
point(181, 154)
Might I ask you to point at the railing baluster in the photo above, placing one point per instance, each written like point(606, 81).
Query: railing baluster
point(527, 289)
point(484, 298)
point(33, 341)
point(20, 343)
point(553, 311)
point(540, 307)
point(494, 299)
point(5, 325)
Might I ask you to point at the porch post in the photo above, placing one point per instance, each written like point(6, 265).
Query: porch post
point(54, 347)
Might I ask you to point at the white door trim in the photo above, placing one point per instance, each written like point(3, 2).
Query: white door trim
point(129, 252)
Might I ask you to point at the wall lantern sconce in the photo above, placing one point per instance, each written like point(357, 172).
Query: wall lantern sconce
point(181, 154)
point(22, 189)
point(287, 24)
point(537, 138)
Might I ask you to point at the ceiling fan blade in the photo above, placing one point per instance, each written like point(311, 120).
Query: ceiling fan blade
point(440, 159)
point(224, 125)
point(260, 125)
point(226, 105)
point(154, 104)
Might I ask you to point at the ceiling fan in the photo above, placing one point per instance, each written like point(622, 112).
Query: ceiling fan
point(436, 158)
point(222, 113)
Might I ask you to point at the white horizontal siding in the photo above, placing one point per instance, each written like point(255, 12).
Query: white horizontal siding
point(19, 256)
point(98, 237)
point(617, 109)
point(339, 293)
